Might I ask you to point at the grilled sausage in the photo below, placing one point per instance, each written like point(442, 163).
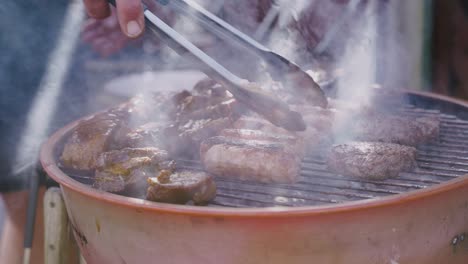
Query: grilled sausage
point(250, 160)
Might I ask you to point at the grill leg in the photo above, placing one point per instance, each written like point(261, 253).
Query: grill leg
point(60, 245)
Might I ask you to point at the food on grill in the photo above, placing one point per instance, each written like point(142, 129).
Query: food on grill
point(371, 160)
point(317, 133)
point(211, 88)
point(258, 123)
point(91, 138)
point(254, 160)
point(429, 127)
point(184, 139)
point(207, 97)
point(320, 123)
point(145, 135)
point(181, 187)
point(394, 129)
point(118, 170)
point(296, 143)
point(130, 148)
point(224, 108)
point(199, 115)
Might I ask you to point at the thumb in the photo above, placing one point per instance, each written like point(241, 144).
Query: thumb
point(130, 15)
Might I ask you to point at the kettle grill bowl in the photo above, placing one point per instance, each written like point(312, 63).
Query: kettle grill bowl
point(426, 225)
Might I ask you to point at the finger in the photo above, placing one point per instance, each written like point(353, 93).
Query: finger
point(97, 8)
point(130, 15)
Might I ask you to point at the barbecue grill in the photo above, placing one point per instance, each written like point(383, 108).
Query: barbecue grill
point(419, 217)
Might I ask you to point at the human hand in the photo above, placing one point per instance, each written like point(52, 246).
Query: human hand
point(129, 14)
point(104, 35)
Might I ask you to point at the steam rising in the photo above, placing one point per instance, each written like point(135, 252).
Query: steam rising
point(359, 60)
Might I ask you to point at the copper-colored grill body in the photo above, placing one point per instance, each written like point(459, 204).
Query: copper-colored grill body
point(419, 217)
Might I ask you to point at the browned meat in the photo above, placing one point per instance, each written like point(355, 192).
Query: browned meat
point(109, 130)
point(198, 130)
point(226, 108)
point(317, 134)
point(296, 143)
point(141, 110)
point(148, 135)
point(250, 160)
point(91, 138)
point(188, 103)
point(395, 129)
point(211, 88)
point(194, 118)
point(181, 187)
point(198, 115)
point(258, 123)
point(429, 127)
point(371, 160)
point(118, 170)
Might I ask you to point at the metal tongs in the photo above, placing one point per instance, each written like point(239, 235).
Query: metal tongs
point(274, 110)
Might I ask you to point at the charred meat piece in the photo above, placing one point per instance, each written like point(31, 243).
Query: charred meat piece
point(258, 123)
point(394, 129)
point(118, 170)
point(140, 110)
point(113, 130)
point(429, 127)
point(198, 130)
point(371, 160)
point(296, 143)
point(312, 137)
point(91, 138)
point(211, 88)
point(184, 139)
point(147, 135)
point(187, 102)
point(250, 160)
point(226, 108)
point(181, 187)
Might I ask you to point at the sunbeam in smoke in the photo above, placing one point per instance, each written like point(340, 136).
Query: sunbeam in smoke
point(45, 102)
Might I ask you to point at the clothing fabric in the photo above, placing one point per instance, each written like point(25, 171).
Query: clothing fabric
point(28, 32)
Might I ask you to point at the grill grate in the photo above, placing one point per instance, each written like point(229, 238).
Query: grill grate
point(437, 162)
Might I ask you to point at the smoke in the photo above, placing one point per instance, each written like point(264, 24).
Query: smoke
point(359, 60)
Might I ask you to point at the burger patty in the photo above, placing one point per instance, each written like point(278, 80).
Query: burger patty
point(371, 160)
point(409, 131)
